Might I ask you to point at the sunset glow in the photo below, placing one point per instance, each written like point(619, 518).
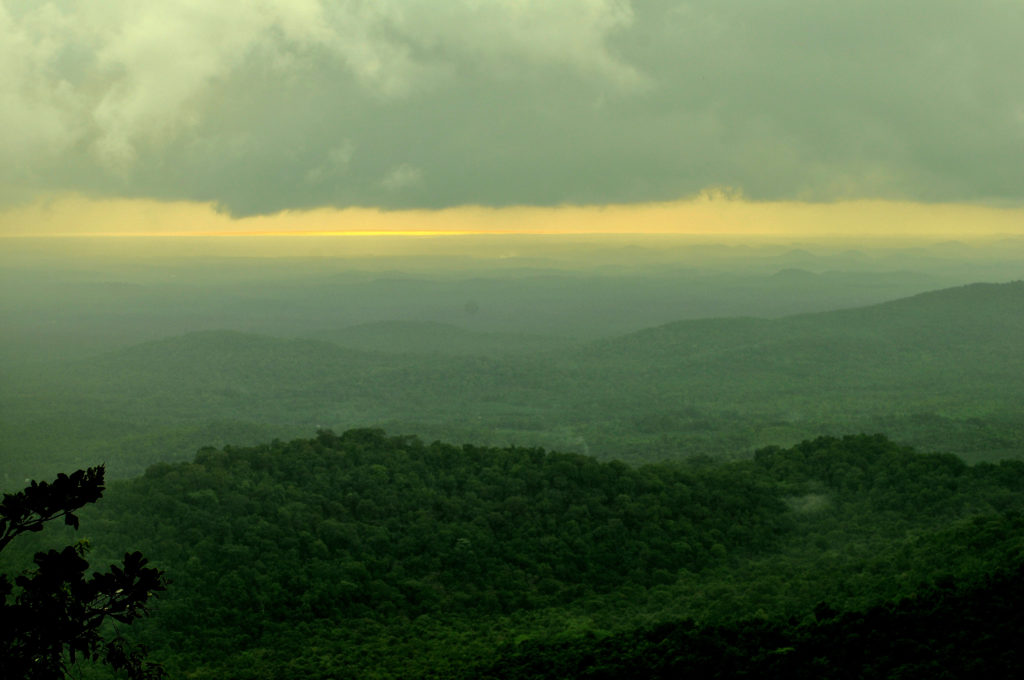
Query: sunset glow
point(707, 215)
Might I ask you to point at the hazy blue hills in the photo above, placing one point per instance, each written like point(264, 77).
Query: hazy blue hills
point(934, 338)
point(71, 313)
point(981, 312)
point(940, 370)
point(952, 359)
point(965, 313)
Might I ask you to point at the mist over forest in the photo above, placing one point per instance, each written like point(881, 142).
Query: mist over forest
point(640, 351)
point(511, 340)
point(538, 458)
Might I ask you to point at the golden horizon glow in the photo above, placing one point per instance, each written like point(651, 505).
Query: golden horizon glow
point(230, 234)
point(710, 214)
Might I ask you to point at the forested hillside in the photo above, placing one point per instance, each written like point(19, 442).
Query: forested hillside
point(938, 370)
point(951, 630)
point(511, 340)
point(369, 555)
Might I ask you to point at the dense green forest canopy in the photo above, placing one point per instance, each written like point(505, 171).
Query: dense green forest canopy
point(363, 554)
point(950, 630)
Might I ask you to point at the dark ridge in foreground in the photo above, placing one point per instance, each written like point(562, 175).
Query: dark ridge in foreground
point(949, 630)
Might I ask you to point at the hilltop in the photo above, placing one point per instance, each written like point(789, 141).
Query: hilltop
point(368, 555)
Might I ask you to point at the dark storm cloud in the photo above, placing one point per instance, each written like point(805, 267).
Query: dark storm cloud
point(277, 105)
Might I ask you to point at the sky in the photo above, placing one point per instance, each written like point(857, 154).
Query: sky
point(709, 116)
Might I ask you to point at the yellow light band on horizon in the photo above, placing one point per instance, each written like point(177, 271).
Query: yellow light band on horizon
point(234, 234)
point(711, 215)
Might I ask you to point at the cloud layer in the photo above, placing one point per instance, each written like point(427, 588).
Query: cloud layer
point(268, 105)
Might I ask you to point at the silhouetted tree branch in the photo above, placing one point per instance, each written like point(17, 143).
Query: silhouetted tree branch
point(52, 615)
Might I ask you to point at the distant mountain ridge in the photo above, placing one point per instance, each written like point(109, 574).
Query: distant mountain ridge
point(938, 369)
point(1000, 303)
point(977, 317)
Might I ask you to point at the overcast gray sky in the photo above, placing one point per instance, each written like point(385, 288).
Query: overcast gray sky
point(275, 104)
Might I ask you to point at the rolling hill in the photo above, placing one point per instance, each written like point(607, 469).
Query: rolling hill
point(939, 370)
point(364, 555)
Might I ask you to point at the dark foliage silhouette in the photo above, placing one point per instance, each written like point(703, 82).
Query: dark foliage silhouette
point(56, 614)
